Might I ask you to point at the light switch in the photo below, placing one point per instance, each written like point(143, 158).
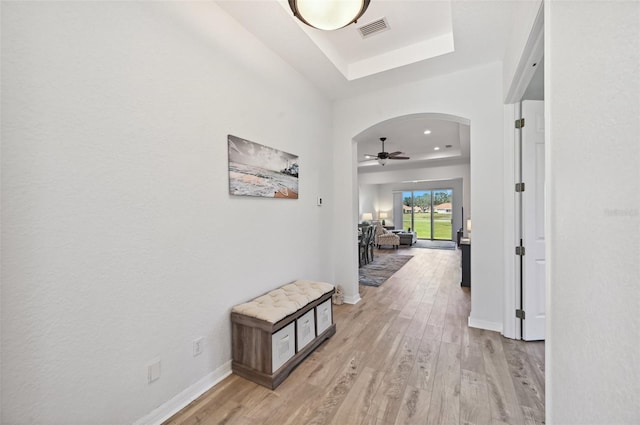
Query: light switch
point(153, 371)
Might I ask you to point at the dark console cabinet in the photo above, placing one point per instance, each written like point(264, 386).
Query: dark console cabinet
point(465, 246)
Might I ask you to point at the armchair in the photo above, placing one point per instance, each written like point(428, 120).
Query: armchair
point(384, 237)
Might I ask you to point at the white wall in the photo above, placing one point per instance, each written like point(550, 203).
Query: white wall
point(592, 105)
point(368, 201)
point(120, 242)
point(474, 94)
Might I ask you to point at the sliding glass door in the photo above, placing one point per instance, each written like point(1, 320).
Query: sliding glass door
point(416, 207)
point(428, 213)
point(441, 216)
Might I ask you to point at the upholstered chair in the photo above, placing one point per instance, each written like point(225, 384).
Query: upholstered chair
point(384, 237)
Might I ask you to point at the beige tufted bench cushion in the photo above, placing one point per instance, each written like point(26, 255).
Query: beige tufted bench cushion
point(286, 300)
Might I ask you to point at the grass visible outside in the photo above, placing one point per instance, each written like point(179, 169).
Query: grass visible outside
point(441, 225)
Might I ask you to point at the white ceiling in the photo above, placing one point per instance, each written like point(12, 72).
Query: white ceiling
point(417, 45)
point(416, 31)
point(407, 134)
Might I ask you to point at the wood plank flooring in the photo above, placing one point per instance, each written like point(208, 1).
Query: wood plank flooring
point(403, 355)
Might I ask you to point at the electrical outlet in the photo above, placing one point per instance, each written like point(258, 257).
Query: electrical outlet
point(197, 346)
point(153, 371)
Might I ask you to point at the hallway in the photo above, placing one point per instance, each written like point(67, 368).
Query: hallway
point(403, 355)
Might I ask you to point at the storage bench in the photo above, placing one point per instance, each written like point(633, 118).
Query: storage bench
point(273, 333)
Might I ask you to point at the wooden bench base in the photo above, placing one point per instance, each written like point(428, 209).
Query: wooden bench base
point(255, 354)
point(273, 380)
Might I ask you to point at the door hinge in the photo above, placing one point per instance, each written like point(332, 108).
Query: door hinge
point(520, 314)
point(519, 187)
point(520, 123)
point(520, 250)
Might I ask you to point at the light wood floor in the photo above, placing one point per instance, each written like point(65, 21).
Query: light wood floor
point(403, 355)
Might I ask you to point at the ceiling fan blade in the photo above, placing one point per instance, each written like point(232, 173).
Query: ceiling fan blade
point(395, 153)
point(399, 157)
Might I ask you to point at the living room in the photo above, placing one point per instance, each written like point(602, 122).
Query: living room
point(438, 151)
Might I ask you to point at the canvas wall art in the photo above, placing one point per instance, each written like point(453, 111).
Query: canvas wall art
point(258, 170)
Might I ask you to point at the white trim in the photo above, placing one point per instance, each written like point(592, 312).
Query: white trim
point(483, 324)
point(180, 401)
point(549, 222)
point(532, 53)
point(510, 330)
point(352, 300)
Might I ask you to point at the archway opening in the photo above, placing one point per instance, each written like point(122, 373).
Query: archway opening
point(427, 191)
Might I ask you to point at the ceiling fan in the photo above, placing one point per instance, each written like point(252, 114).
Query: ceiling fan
point(383, 156)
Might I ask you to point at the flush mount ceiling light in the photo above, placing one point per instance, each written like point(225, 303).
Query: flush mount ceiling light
point(328, 14)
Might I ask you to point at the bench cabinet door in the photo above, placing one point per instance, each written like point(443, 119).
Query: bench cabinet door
point(323, 315)
point(282, 346)
point(306, 329)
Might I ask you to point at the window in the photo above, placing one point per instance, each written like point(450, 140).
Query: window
point(427, 212)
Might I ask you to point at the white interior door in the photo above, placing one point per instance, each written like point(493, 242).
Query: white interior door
point(534, 260)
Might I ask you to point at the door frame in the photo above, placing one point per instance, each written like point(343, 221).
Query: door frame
point(532, 54)
point(511, 324)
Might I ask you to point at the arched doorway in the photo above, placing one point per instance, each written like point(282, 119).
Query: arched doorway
point(438, 148)
point(439, 151)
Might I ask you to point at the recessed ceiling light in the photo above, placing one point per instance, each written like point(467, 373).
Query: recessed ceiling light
point(427, 132)
point(437, 148)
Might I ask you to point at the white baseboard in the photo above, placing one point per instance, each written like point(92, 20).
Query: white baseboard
point(483, 324)
point(352, 300)
point(179, 402)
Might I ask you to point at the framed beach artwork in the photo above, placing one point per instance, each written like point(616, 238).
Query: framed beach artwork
point(258, 170)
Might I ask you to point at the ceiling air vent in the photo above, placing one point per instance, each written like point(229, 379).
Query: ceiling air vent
point(374, 27)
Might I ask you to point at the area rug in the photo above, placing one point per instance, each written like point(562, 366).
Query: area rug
point(426, 243)
point(381, 269)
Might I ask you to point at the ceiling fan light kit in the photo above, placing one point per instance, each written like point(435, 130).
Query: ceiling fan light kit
point(328, 15)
